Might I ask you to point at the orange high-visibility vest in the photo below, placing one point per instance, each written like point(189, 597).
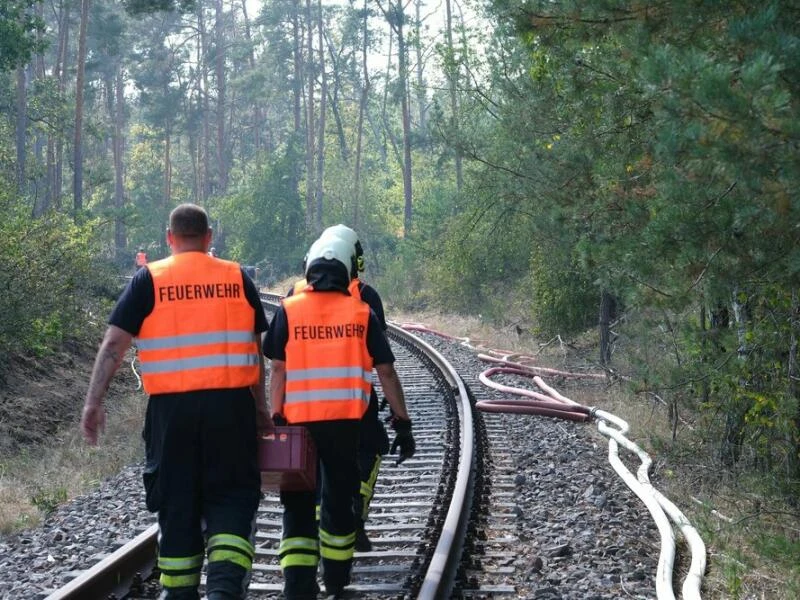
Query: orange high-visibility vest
point(141, 259)
point(201, 333)
point(354, 288)
point(328, 367)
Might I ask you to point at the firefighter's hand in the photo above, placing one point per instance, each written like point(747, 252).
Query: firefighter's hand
point(264, 424)
point(403, 440)
point(279, 420)
point(93, 421)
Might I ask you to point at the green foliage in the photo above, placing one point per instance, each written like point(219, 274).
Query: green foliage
point(486, 250)
point(19, 28)
point(654, 149)
point(563, 300)
point(263, 220)
point(48, 500)
point(401, 279)
point(48, 275)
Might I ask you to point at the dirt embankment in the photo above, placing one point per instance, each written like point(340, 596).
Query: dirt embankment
point(40, 395)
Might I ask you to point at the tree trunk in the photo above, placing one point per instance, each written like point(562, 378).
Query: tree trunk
point(222, 143)
point(323, 104)
point(251, 59)
point(21, 127)
point(387, 130)
point(733, 436)
point(422, 101)
point(120, 236)
point(362, 107)
point(297, 83)
point(167, 169)
point(77, 182)
point(40, 141)
point(403, 75)
point(205, 147)
point(297, 93)
point(606, 309)
point(452, 71)
point(310, 173)
point(55, 139)
point(794, 387)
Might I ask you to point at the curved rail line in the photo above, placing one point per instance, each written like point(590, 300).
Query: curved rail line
point(419, 516)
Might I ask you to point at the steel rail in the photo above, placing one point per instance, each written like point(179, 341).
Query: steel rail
point(441, 572)
point(113, 576)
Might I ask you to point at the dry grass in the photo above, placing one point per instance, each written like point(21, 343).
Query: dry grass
point(35, 481)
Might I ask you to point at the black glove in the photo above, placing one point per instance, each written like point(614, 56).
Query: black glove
point(279, 420)
point(404, 440)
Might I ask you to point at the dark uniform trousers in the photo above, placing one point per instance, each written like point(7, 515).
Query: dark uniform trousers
point(201, 476)
point(373, 443)
point(304, 540)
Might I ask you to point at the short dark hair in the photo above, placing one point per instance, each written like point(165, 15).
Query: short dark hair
point(188, 220)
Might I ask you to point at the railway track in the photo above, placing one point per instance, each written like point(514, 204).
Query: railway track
point(419, 519)
point(491, 506)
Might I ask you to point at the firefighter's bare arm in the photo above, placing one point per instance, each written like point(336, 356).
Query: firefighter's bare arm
point(263, 420)
point(277, 386)
point(109, 357)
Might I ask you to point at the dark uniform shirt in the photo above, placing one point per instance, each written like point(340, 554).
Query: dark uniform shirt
point(370, 295)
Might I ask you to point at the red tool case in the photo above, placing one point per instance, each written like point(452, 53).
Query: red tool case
point(288, 460)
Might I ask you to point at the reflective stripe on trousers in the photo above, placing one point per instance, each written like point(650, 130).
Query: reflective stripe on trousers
point(183, 571)
point(367, 490)
point(299, 552)
point(231, 548)
point(336, 547)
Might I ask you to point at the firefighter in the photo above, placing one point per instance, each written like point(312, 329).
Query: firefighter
point(197, 323)
point(373, 440)
point(141, 259)
point(323, 343)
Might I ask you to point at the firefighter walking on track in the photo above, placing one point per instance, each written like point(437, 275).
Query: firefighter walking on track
point(323, 343)
point(373, 441)
point(197, 322)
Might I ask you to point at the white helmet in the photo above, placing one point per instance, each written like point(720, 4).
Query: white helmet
point(332, 247)
point(342, 231)
point(350, 236)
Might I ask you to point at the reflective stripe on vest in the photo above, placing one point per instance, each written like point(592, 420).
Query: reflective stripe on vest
point(328, 367)
point(201, 332)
